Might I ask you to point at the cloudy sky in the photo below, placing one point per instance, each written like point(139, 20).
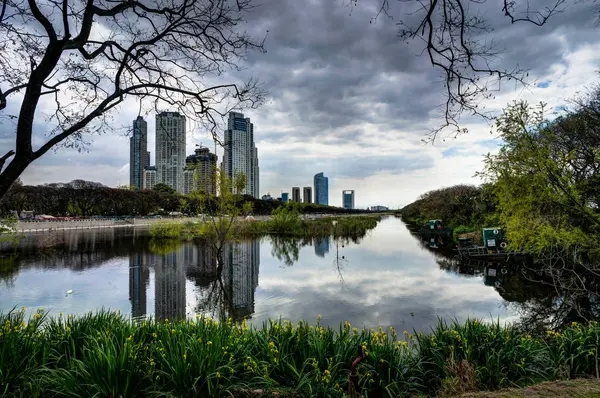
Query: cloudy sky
point(350, 99)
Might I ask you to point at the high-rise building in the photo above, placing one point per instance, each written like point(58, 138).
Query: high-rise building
point(348, 199)
point(240, 153)
point(285, 197)
point(296, 194)
point(139, 157)
point(307, 195)
point(321, 189)
point(201, 169)
point(149, 177)
point(170, 149)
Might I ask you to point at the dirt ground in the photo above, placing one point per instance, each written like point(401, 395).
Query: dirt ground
point(578, 388)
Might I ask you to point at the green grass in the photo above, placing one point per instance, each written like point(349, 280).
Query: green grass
point(106, 355)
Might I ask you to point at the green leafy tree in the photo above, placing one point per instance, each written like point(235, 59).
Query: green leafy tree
point(544, 196)
point(164, 188)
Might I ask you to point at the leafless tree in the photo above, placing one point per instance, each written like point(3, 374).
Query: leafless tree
point(453, 33)
point(66, 64)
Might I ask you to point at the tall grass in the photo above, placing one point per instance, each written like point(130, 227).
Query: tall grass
point(105, 354)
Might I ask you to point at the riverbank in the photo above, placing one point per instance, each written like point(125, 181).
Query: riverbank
point(47, 356)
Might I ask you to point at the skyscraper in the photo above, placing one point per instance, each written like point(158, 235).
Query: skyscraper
point(307, 195)
point(139, 157)
point(240, 153)
point(285, 197)
point(348, 199)
point(321, 189)
point(203, 167)
point(149, 177)
point(296, 194)
point(170, 149)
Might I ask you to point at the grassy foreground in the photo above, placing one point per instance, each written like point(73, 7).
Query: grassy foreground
point(106, 355)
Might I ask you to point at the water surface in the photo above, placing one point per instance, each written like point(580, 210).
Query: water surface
point(387, 278)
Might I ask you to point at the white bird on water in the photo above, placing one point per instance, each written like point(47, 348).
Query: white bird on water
point(68, 292)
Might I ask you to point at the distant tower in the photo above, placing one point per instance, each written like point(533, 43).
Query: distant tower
point(296, 194)
point(139, 157)
point(307, 195)
point(284, 197)
point(348, 199)
point(321, 189)
point(170, 149)
point(240, 154)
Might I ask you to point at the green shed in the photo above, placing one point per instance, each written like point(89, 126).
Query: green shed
point(492, 238)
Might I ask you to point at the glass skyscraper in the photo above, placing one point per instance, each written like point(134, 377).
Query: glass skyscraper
point(139, 157)
point(321, 189)
point(241, 155)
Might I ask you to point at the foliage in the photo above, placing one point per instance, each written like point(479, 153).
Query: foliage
point(545, 178)
point(285, 218)
point(59, 357)
point(164, 188)
point(457, 205)
point(166, 230)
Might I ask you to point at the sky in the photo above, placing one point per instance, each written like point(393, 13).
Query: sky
point(348, 98)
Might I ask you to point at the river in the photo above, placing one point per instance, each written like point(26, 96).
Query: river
point(389, 278)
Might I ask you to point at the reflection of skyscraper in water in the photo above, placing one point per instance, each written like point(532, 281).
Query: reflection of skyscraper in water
point(139, 276)
point(321, 246)
point(240, 276)
point(169, 279)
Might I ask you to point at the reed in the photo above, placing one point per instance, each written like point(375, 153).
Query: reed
point(106, 354)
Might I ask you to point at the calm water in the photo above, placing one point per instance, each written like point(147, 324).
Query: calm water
point(388, 278)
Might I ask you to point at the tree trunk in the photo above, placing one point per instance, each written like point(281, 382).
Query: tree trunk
point(12, 172)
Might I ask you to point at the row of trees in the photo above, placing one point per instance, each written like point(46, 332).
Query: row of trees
point(86, 198)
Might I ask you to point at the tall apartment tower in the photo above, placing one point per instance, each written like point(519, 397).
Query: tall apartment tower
point(321, 189)
point(200, 173)
point(139, 157)
point(296, 194)
point(240, 153)
point(307, 195)
point(170, 149)
point(348, 199)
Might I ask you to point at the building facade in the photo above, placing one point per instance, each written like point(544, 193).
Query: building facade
point(321, 184)
point(348, 199)
point(139, 157)
point(307, 195)
point(285, 197)
point(149, 177)
point(170, 149)
point(296, 194)
point(240, 153)
point(201, 172)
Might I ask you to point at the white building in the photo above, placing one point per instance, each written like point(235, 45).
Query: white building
point(170, 149)
point(149, 177)
point(240, 154)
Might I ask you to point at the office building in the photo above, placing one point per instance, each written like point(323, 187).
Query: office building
point(296, 194)
point(149, 177)
point(200, 172)
point(240, 153)
point(307, 195)
point(348, 199)
point(321, 189)
point(139, 157)
point(285, 197)
point(170, 149)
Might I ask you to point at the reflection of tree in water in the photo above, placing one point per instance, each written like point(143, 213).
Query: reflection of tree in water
point(227, 286)
point(547, 293)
